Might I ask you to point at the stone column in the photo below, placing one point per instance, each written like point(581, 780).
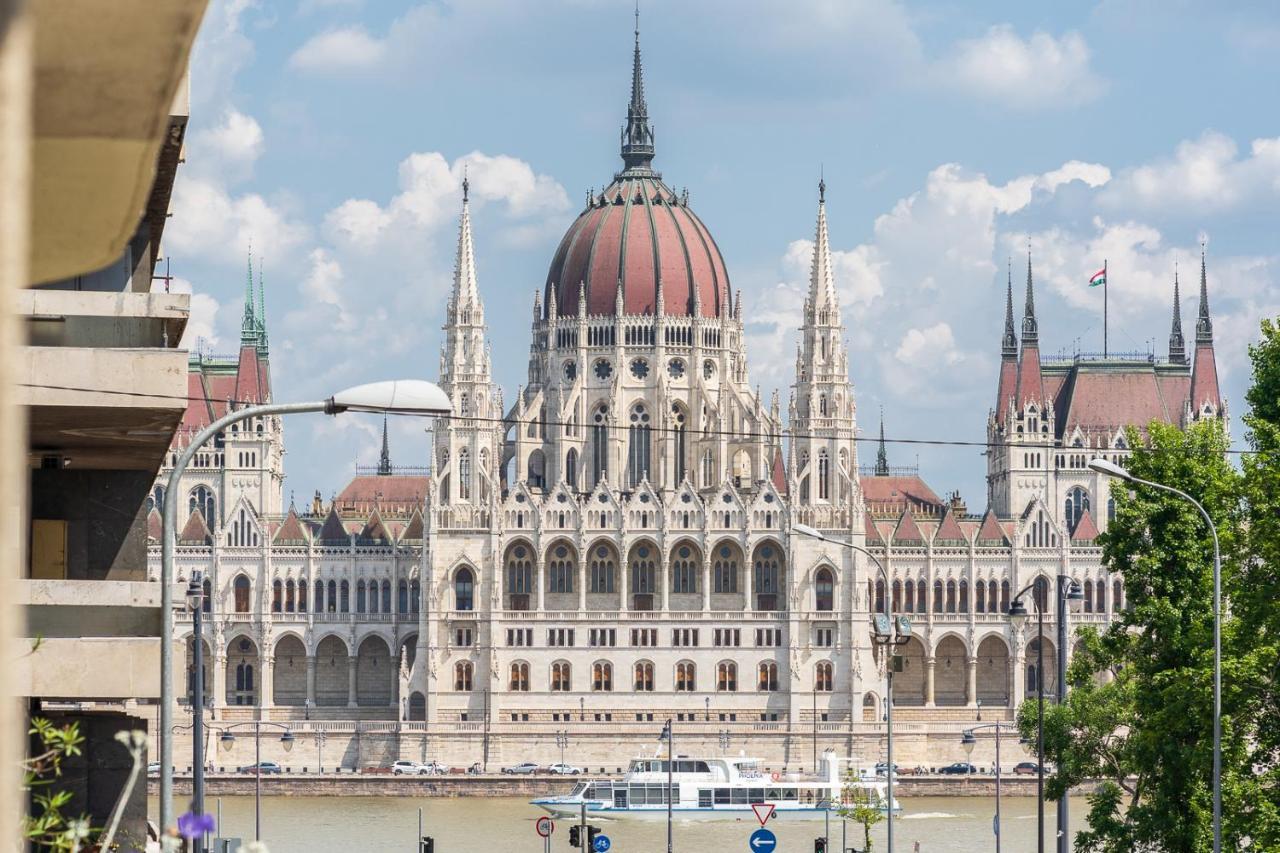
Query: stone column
point(219, 683)
point(351, 681)
point(584, 560)
point(665, 576)
point(540, 580)
point(311, 681)
point(928, 680)
point(706, 582)
point(266, 684)
point(748, 582)
point(1017, 677)
point(971, 694)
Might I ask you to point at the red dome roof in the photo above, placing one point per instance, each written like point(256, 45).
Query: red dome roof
point(639, 233)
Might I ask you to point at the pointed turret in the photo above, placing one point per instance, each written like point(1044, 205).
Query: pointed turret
point(1009, 343)
point(1206, 397)
point(1177, 344)
point(249, 335)
point(1030, 330)
point(1204, 325)
point(384, 460)
point(882, 454)
point(466, 294)
point(1030, 383)
point(261, 317)
point(1007, 386)
point(637, 135)
point(822, 287)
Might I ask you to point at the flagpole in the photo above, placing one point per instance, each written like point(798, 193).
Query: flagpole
point(1105, 284)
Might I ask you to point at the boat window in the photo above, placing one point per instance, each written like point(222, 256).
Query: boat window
point(701, 767)
point(722, 796)
point(740, 796)
point(773, 794)
point(580, 788)
point(757, 795)
point(704, 798)
point(790, 794)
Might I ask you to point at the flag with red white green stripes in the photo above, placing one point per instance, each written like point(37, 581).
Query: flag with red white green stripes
point(1099, 278)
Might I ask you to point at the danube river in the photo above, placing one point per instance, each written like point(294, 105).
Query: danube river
point(472, 825)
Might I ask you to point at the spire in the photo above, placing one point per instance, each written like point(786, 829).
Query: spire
point(262, 311)
point(1177, 345)
point(465, 290)
point(1009, 345)
point(637, 136)
point(249, 325)
point(882, 455)
point(1204, 325)
point(1030, 331)
point(384, 460)
point(822, 288)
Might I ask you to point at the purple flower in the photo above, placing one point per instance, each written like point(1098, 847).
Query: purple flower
point(192, 825)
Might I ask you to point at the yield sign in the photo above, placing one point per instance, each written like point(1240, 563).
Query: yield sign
point(763, 811)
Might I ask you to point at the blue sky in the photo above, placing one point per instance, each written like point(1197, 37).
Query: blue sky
point(333, 133)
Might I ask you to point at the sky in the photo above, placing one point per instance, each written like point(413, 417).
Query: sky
point(329, 137)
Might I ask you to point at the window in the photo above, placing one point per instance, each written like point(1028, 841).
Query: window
point(768, 638)
point(520, 637)
point(333, 597)
point(290, 596)
point(402, 597)
point(638, 445)
point(415, 596)
point(206, 603)
point(685, 677)
point(1088, 596)
point(824, 590)
point(277, 596)
point(463, 589)
point(603, 637)
point(520, 677)
point(725, 569)
point(951, 596)
point(921, 602)
point(963, 606)
point(822, 677)
point(1077, 504)
point(1041, 591)
point(464, 474)
point(708, 469)
point(824, 637)
point(727, 677)
point(344, 597)
point(1004, 596)
point(241, 588)
point(462, 637)
point(678, 448)
point(202, 499)
point(644, 677)
point(980, 597)
point(602, 569)
point(879, 608)
point(728, 637)
point(602, 676)
point(1117, 595)
point(462, 676)
point(767, 677)
point(767, 576)
point(519, 572)
point(685, 568)
point(318, 605)
point(360, 598)
point(895, 603)
point(939, 598)
point(560, 677)
point(824, 473)
point(644, 637)
point(560, 570)
point(643, 571)
point(559, 637)
point(684, 637)
point(571, 468)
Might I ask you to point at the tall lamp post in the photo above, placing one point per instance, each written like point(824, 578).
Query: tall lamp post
point(195, 602)
point(885, 631)
point(228, 740)
point(1069, 596)
point(1110, 469)
point(406, 396)
point(666, 735)
point(562, 740)
point(968, 742)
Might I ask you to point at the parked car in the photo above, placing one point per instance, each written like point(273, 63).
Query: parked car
point(264, 768)
point(407, 768)
point(564, 770)
point(153, 769)
point(433, 768)
point(882, 770)
point(960, 768)
point(1026, 768)
point(522, 769)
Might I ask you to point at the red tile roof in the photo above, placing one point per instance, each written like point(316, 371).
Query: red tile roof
point(991, 533)
point(155, 525)
point(1007, 389)
point(374, 530)
point(291, 532)
point(871, 531)
point(414, 530)
point(891, 495)
point(1030, 382)
point(1086, 530)
point(1105, 398)
point(1204, 379)
point(333, 532)
point(907, 531)
point(195, 532)
point(949, 530)
point(395, 494)
point(779, 473)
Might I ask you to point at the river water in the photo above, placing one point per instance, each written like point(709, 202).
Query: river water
point(474, 825)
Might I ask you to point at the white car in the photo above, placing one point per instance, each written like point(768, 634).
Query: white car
point(565, 770)
point(409, 768)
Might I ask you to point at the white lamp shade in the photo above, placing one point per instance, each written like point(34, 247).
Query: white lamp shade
point(1110, 469)
point(410, 396)
point(806, 530)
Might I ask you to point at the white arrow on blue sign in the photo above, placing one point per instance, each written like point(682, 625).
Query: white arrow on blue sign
point(762, 841)
point(602, 843)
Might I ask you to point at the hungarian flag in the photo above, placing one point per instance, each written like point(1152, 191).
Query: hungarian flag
point(1099, 278)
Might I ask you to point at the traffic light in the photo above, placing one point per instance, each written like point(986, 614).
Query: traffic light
point(819, 845)
point(427, 845)
point(592, 832)
point(575, 839)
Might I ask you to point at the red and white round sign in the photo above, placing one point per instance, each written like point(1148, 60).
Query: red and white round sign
point(545, 826)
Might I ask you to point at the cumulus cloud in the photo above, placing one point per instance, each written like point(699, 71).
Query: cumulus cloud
point(339, 51)
point(211, 223)
point(1204, 174)
point(227, 150)
point(1039, 72)
point(202, 325)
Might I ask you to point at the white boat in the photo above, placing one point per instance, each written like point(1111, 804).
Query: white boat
point(723, 787)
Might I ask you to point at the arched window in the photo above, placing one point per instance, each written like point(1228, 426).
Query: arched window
point(724, 569)
point(277, 596)
point(922, 604)
point(386, 596)
point(571, 468)
point(685, 568)
point(520, 574)
point(206, 603)
point(678, 445)
point(1100, 596)
point(603, 569)
point(560, 677)
point(685, 677)
point(939, 601)
point(951, 596)
point(824, 589)
point(415, 597)
point(822, 677)
point(462, 671)
point(708, 469)
point(895, 603)
point(963, 605)
point(822, 399)
point(1117, 596)
point(767, 676)
point(644, 676)
point(767, 577)
point(464, 474)
point(643, 571)
point(463, 589)
point(241, 588)
point(561, 569)
point(318, 604)
point(536, 471)
point(638, 445)
point(155, 500)
point(824, 475)
point(980, 597)
point(520, 677)
point(290, 597)
point(344, 603)
point(1004, 596)
point(402, 597)
point(727, 677)
point(910, 593)
point(333, 597)
point(361, 605)
point(599, 444)
point(1077, 504)
point(202, 499)
point(1041, 591)
point(602, 676)
point(1088, 596)
point(879, 608)
point(1111, 509)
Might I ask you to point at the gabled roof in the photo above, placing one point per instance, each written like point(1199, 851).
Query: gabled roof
point(1086, 530)
point(908, 532)
point(291, 531)
point(891, 495)
point(396, 494)
point(155, 525)
point(414, 531)
point(779, 473)
point(870, 530)
point(196, 532)
point(991, 533)
point(333, 532)
point(949, 532)
point(374, 531)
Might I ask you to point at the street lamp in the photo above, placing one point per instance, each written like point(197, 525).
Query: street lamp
point(885, 631)
point(405, 396)
point(195, 601)
point(1111, 469)
point(1070, 597)
point(562, 740)
point(968, 742)
point(667, 736)
point(228, 740)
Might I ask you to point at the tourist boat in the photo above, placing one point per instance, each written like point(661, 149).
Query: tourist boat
point(716, 788)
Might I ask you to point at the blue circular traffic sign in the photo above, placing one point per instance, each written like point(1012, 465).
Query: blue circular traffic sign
point(762, 841)
point(602, 843)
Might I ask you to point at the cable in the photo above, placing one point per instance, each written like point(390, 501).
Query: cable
point(739, 435)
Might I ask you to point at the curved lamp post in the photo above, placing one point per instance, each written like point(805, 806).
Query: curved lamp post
point(1070, 596)
point(227, 740)
point(1111, 469)
point(886, 631)
point(405, 396)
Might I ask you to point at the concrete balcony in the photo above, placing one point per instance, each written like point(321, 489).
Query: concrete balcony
point(97, 640)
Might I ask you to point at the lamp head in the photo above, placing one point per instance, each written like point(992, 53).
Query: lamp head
point(806, 530)
point(195, 592)
point(1075, 597)
point(902, 627)
point(226, 741)
point(404, 396)
point(968, 742)
point(1109, 469)
point(1018, 614)
point(286, 740)
point(881, 627)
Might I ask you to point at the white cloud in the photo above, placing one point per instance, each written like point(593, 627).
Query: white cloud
point(927, 348)
point(227, 151)
point(201, 331)
point(1041, 72)
point(338, 51)
point(1205, 174)
point(209, 222)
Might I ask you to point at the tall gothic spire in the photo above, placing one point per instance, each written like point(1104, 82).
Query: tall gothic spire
point(1030, 330)
point(466, 292)
point(384, 460)
point(637, 135)
point(1177, 345)
point(262, 311)
point(1009, 344)
point(1204, 325)
point(249, 331)
point(822, 287)
point(882, 455)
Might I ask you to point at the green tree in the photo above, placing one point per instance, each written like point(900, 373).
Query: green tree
point(862, 805)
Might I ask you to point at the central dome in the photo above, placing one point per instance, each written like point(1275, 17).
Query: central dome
point(638, 236)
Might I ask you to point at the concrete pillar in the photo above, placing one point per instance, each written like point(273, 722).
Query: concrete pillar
point(311, 681)
point(971, 693)
point(928, 680)
point(351, 681)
